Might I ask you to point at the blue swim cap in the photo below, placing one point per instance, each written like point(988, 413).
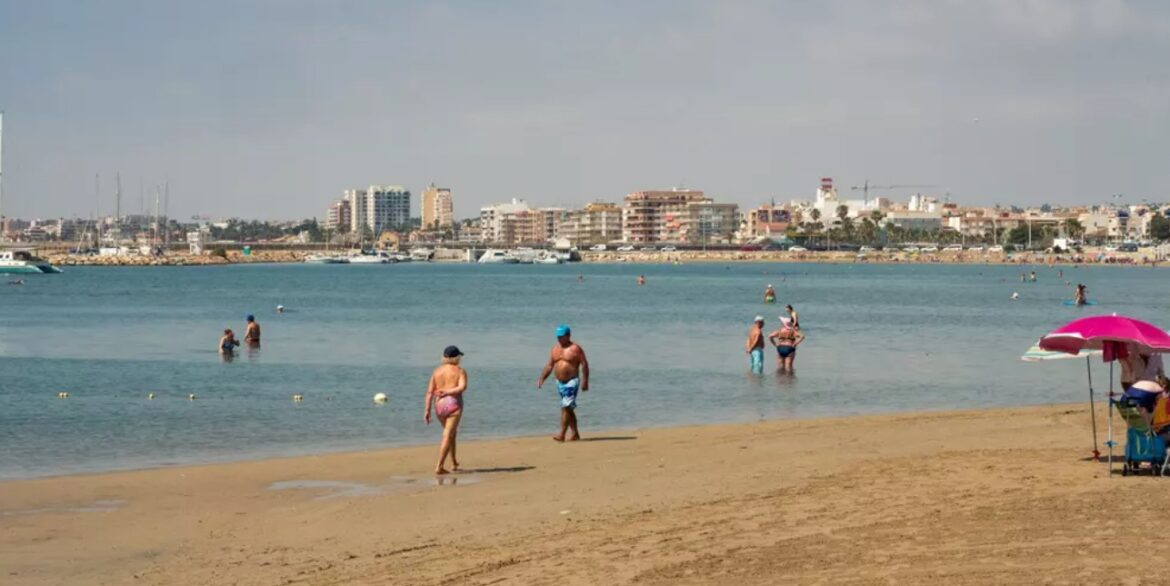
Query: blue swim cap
point(563, 330)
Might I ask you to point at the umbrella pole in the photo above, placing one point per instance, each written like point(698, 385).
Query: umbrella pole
point(1109, 418)
point(1092, 409)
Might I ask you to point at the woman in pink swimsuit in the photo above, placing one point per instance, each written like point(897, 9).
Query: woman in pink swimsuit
point(445, 393)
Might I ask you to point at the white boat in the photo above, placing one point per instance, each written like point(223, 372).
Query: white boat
point(497, 256)
point(551, 259)
point(374, 258)
point(24, 261)
point(422, 254)
point(326, 259)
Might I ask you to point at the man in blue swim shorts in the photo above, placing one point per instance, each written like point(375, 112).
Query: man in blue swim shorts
point(755, 345)
point(567, 361)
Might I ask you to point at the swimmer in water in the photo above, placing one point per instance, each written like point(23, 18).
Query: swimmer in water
point(567, 362)
point(1033, 277)
point(1015, 295)
point(228, 343)
point(792, 315)
point(279, 309)
point(769, 294)
point(1079, 296)
point(445, 392)
point(252, 332)
point(641, 280)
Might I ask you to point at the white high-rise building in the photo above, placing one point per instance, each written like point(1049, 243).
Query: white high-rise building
point(378, 208)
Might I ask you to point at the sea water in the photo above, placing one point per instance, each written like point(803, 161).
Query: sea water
point(880, 338)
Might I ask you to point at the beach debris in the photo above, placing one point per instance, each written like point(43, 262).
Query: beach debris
point(62, 395)
point(380, 398)
point(297, 398)
point(191, 397)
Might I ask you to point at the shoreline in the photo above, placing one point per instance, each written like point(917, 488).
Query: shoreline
point(454, 256)
point(970, 496)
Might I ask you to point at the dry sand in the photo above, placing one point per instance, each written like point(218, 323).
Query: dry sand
point(987, 497)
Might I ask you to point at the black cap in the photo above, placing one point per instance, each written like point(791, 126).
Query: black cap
point(451, 352)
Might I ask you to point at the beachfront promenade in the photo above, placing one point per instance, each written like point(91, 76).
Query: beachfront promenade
point(979, 497)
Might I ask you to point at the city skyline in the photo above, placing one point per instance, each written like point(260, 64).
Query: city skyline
point(994, 101)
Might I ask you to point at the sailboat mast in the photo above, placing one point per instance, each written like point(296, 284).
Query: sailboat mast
point(118, 200)
point(1, 175)
point(166, 212)
point(97, 197)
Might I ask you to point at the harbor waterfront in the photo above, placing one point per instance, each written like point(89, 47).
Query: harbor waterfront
point(880, 338)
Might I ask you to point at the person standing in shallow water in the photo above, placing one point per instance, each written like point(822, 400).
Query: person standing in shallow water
point(755, 345)
point(567, 361)
point(252, 332)
point(445, 392)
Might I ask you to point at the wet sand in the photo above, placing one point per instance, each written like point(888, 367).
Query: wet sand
point(984, 497)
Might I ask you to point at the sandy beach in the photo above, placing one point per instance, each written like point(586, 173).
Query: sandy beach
point(985, 497)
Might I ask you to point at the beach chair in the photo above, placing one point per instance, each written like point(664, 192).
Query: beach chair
point(1142, 445)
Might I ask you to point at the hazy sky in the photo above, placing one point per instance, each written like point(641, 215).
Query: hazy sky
point(272, 108)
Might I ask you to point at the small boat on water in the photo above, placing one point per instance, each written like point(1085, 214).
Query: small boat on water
point(370, 258)
point(326, 259)
point(497, 256)
point(422, 254)
point(24, 261)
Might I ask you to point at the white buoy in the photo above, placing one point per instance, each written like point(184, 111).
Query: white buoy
point(380, 398)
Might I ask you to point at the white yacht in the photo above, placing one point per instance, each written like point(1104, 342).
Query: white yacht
point(326, 259)
point(24, 261)
point(497, 256)
point(370, 258)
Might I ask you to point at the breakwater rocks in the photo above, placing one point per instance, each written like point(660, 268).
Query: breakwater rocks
point(171, 259)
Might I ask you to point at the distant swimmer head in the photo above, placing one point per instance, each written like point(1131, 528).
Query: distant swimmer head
point(250, 317)
point(759, 319)
point(563, 330)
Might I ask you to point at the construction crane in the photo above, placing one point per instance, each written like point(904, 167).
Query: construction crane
point(865, 187)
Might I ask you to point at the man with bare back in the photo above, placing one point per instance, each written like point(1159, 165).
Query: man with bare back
point(567, 361)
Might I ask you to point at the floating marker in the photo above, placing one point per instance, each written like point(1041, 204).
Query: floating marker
point(380, 398)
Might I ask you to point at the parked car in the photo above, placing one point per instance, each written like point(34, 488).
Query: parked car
point(866, 249)
point(669, 249)
point(648, 248)
point(929, 249)
point(1128, 247)
point(954, 248)
point(798, 249)
point(750, 248)
point(626, 248)
point(597, 247)
point(995, 248)
point(911, 249)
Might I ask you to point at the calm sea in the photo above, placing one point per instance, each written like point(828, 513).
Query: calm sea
point(880, 338)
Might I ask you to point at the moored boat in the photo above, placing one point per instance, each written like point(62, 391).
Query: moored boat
point(24, 261)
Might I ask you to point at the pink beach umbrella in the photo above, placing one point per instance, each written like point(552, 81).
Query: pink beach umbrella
point(1115, 336)
point(1110, 333)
